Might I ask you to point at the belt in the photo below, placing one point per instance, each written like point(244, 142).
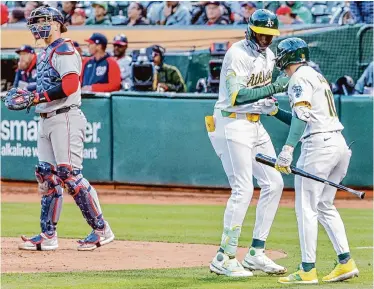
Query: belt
point(53, 113)
point(312, 134)
point(249, 116)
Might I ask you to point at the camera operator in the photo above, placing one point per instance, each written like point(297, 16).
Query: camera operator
point(168, 77)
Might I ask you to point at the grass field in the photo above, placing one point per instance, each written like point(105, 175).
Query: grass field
point(185, 224)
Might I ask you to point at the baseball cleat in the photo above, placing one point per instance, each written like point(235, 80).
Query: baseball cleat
point(300, 277)
point(41, 242)
point(96, 238)
point(342, 272)
point(257, 260)
point(223, 265)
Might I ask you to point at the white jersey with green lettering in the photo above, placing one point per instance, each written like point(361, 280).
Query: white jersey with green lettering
point(251, 68)
point(311, 100)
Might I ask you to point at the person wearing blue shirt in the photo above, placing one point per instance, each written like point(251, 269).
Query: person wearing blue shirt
point(365, 83)
point(26, 72)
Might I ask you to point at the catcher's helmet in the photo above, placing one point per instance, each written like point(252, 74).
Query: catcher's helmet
point(42, 30)
point(263, 21)
point(290, 51)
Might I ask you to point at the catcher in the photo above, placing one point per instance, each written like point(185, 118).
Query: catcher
point(60, 135)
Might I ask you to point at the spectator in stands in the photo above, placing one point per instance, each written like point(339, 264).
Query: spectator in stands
point(67, 11)
point(30, 5)
point(214, 14)
point(136, 15)
point(17, 16)
point(362, 11)
point(247, 9)
point(124, 62)
point(78, 17)
point(170, 13)
point(286, 16)
point(364, 84)
point(301, 11)
point(198, 15)
point(101, 72)
point(26, 72)
point(168, 77)
point(4, 14)
point(100, 17)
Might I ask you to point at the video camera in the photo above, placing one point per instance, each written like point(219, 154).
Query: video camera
point(143, 70)
point(217, 53)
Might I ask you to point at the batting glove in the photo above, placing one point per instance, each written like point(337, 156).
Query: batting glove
point(284, 160)
point(267, 106)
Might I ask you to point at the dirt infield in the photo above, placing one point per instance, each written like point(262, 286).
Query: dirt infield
point(118, 255)
point(110, 194)
point(122, 255)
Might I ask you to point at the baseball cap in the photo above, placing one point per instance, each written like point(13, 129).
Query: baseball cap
point(97, 38)
point(80, 12)
point(120, 39)
point(25, 48)
point(212, 2)
point(283, 10)
point(159, 49)
point(102, 4)
point(249, 3)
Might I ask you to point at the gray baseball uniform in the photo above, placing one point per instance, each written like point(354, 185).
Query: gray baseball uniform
point(61, 136)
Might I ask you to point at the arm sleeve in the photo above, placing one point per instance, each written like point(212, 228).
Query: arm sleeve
point(236, 75)
point(68, 85)
point(296, 131)
point(284, 116)
point(114, 78)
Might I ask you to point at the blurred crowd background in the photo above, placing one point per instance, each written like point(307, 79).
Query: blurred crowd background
point(167, 13)
point(149, 69)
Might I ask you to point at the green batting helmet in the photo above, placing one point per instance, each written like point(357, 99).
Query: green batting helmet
point(263, 21)
point(290, 51)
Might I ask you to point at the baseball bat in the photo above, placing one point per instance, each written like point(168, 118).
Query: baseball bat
point(269, 161)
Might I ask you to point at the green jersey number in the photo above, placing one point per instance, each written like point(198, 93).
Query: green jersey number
point(330, 101)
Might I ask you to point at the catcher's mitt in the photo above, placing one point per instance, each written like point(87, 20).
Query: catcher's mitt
point(18, 99)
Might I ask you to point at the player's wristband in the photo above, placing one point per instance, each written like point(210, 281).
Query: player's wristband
point(296, 131)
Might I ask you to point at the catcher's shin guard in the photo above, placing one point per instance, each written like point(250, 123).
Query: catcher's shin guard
point(84, 195)
point(50, 187)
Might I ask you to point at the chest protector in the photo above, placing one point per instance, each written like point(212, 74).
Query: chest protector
point(47, 76)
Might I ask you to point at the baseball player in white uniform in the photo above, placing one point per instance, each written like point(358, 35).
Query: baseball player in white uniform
point(237, 135)
point(60, 135)
point(324, 153)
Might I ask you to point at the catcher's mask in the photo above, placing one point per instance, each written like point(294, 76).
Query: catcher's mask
point(42, 29)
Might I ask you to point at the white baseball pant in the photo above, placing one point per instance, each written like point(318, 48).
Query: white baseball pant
point(325, 155)
point(236, 142)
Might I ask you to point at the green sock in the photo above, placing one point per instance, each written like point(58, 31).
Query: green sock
point(308, 266)
point(344, 258)
point(258, 244)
